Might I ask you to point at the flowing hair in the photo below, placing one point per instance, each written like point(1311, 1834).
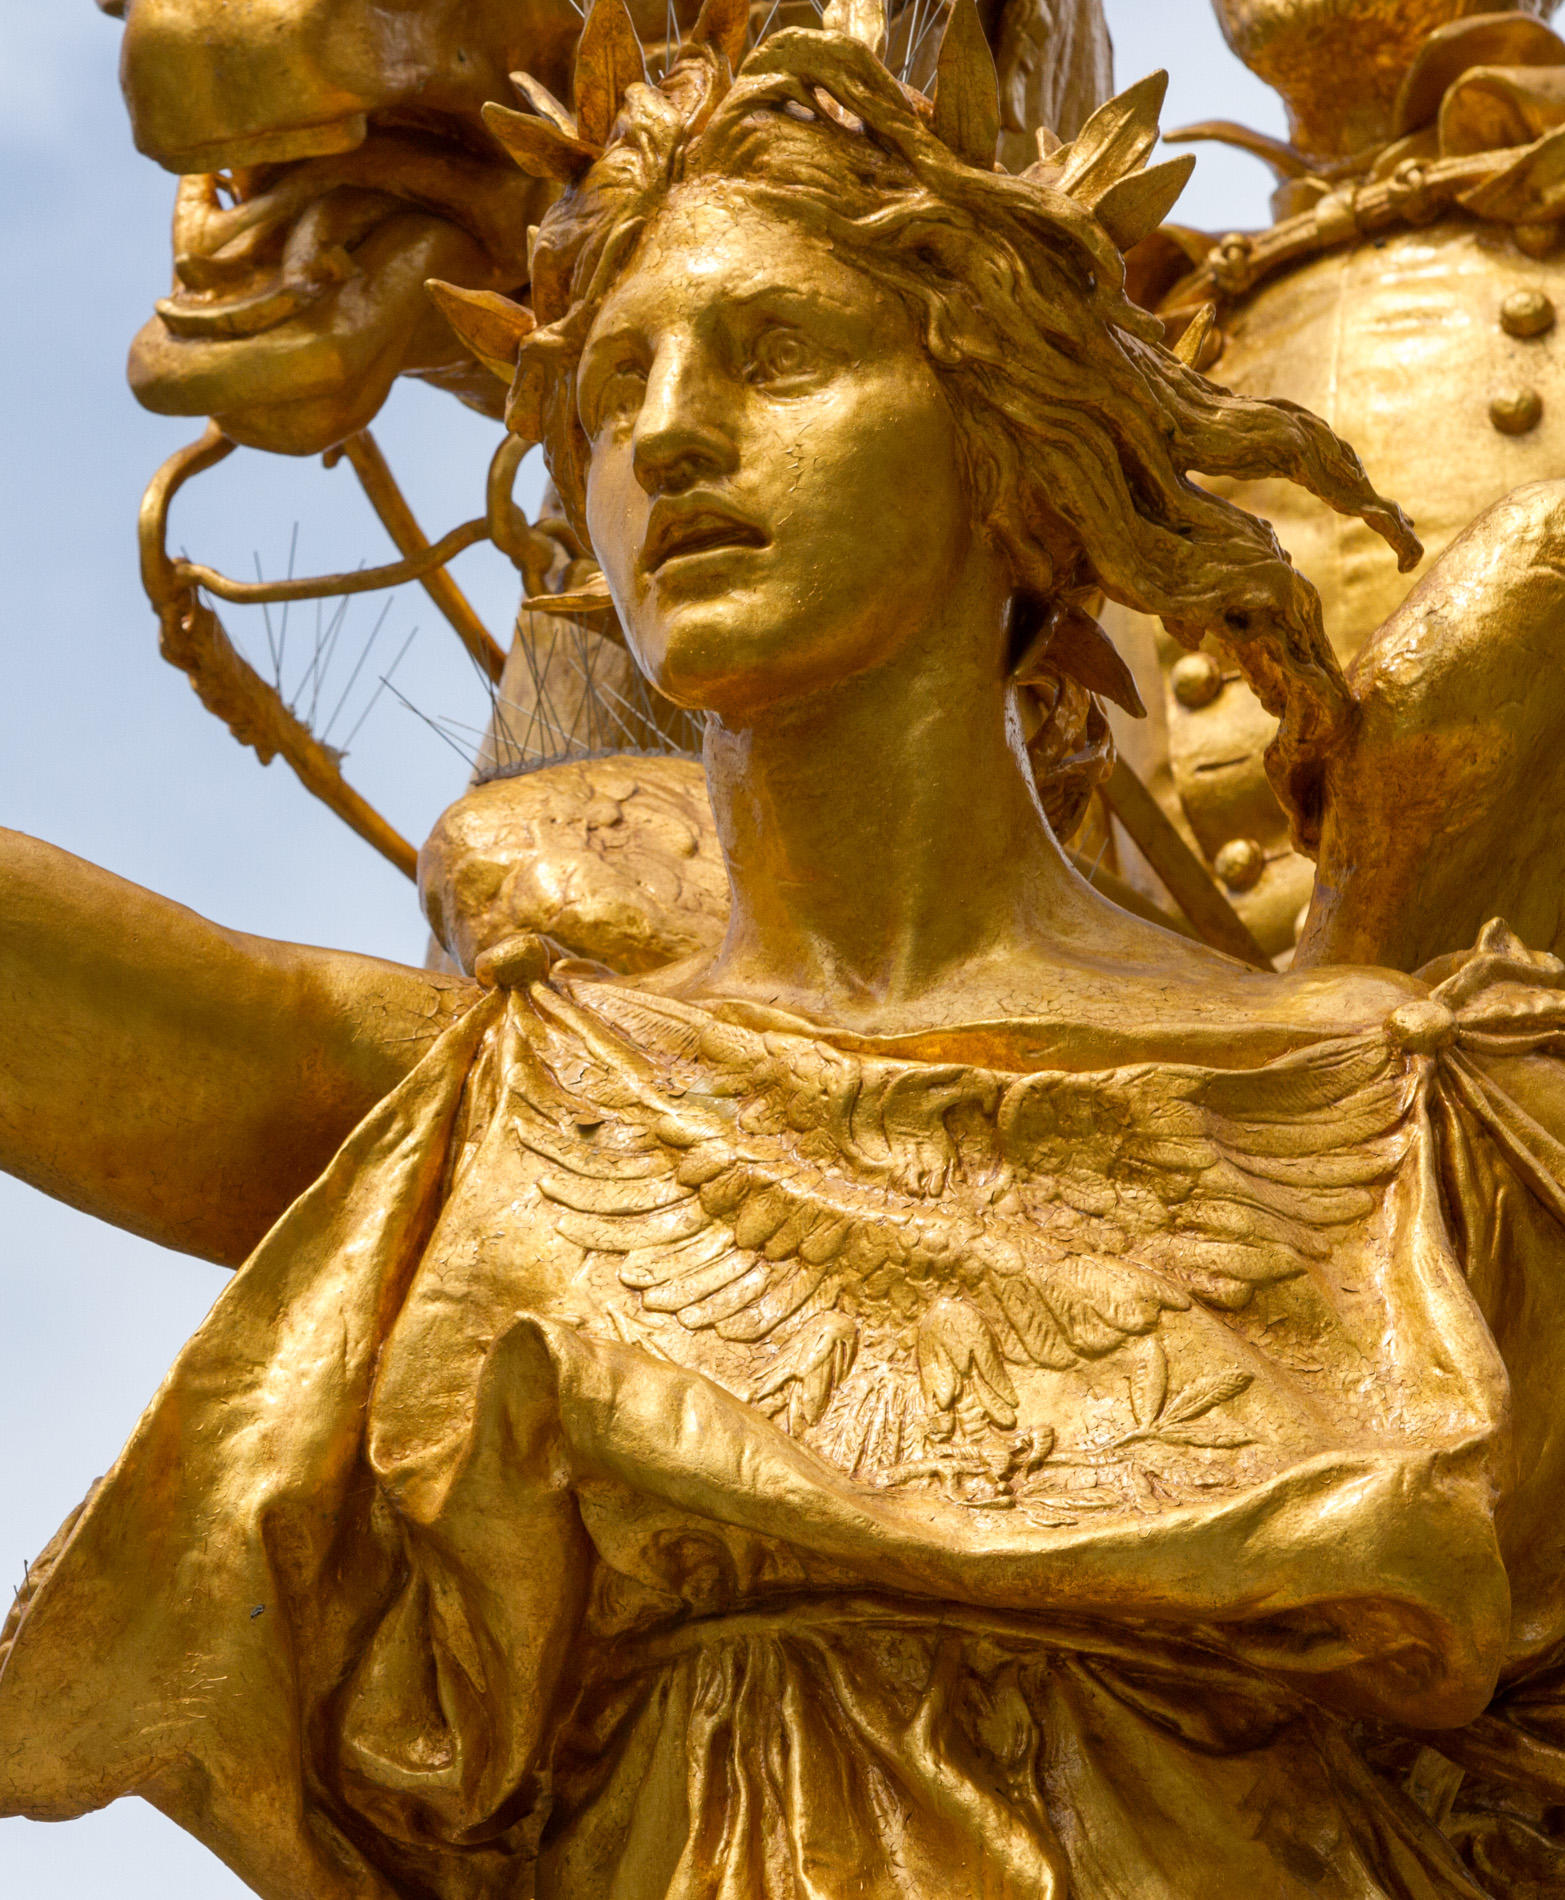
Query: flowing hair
point(1079, 430)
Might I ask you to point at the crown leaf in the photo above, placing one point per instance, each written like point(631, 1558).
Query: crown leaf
point(1114, 142)
point(1137, 205)
point(724, 25)
point(967, 89)
point(608, 60)
point(536, 96)
point(1070, 641)
point(491, 326)
point(538, 145)
point(1192, 339)
point(861, 20)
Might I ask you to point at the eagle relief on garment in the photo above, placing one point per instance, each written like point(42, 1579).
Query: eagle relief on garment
point(933, 1384)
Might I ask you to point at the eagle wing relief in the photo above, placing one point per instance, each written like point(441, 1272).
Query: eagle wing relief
point(1061, 1293)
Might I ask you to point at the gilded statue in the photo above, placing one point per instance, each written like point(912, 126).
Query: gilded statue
point(1407, 293)
point(949, 1387)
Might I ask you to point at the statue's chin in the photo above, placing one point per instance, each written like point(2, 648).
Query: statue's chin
point(300, 385)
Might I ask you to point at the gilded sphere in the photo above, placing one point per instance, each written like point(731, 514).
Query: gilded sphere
point(1240, 863)
point(1516, 411)
point(1196, 678)
point(1527, 313)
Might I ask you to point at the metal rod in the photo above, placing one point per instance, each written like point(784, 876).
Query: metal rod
point(397, 518)
point(1186, 878)
point(365, 580)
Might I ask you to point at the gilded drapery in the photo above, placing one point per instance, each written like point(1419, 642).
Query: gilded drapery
point(673, 1452)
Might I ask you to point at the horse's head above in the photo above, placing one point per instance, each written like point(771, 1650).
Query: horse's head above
point(333, 157)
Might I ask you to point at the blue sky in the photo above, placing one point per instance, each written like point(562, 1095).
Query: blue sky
point(104, 750)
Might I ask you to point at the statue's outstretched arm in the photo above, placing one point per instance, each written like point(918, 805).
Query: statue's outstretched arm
point(175, 1078)
point(1447, 806)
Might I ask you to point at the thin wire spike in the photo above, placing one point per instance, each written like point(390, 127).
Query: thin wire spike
point(903, 20)
point(469, 759)
point(315, 661)
point(282, 636)
point(638, 715)
point(460, 725)
point(333, 633)
point(385, 681)
point(266, 615)
point(358, 667)
point(931, 20)
point(766, 24)
point(310, 678)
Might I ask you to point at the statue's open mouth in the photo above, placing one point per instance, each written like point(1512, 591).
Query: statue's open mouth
point(297, 282)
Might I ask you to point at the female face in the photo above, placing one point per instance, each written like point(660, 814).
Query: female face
point(775, 490)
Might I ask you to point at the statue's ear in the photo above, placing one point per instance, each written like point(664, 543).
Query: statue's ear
point(491, 326)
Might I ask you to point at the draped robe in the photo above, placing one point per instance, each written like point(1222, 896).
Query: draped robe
point(680, 1453)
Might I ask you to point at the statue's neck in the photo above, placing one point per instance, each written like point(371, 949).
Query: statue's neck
point(881, 836)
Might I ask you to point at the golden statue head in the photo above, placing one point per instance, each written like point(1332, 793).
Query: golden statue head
point(1340, 63)
point(804, 360)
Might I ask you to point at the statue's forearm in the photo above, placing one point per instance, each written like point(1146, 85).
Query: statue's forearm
point(175, 1078)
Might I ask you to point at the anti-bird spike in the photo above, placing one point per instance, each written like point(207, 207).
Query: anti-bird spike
point(1103, 169)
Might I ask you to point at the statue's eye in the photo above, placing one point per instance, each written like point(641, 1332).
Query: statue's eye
point(781, 356)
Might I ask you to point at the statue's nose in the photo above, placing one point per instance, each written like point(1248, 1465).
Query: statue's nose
point(213, 83)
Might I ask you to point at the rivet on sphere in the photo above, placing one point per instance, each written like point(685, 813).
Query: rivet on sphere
point(1196, 678)
point(1515, 411)
point(1536, 240)
point(1240, 863)
point(1527, 313)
